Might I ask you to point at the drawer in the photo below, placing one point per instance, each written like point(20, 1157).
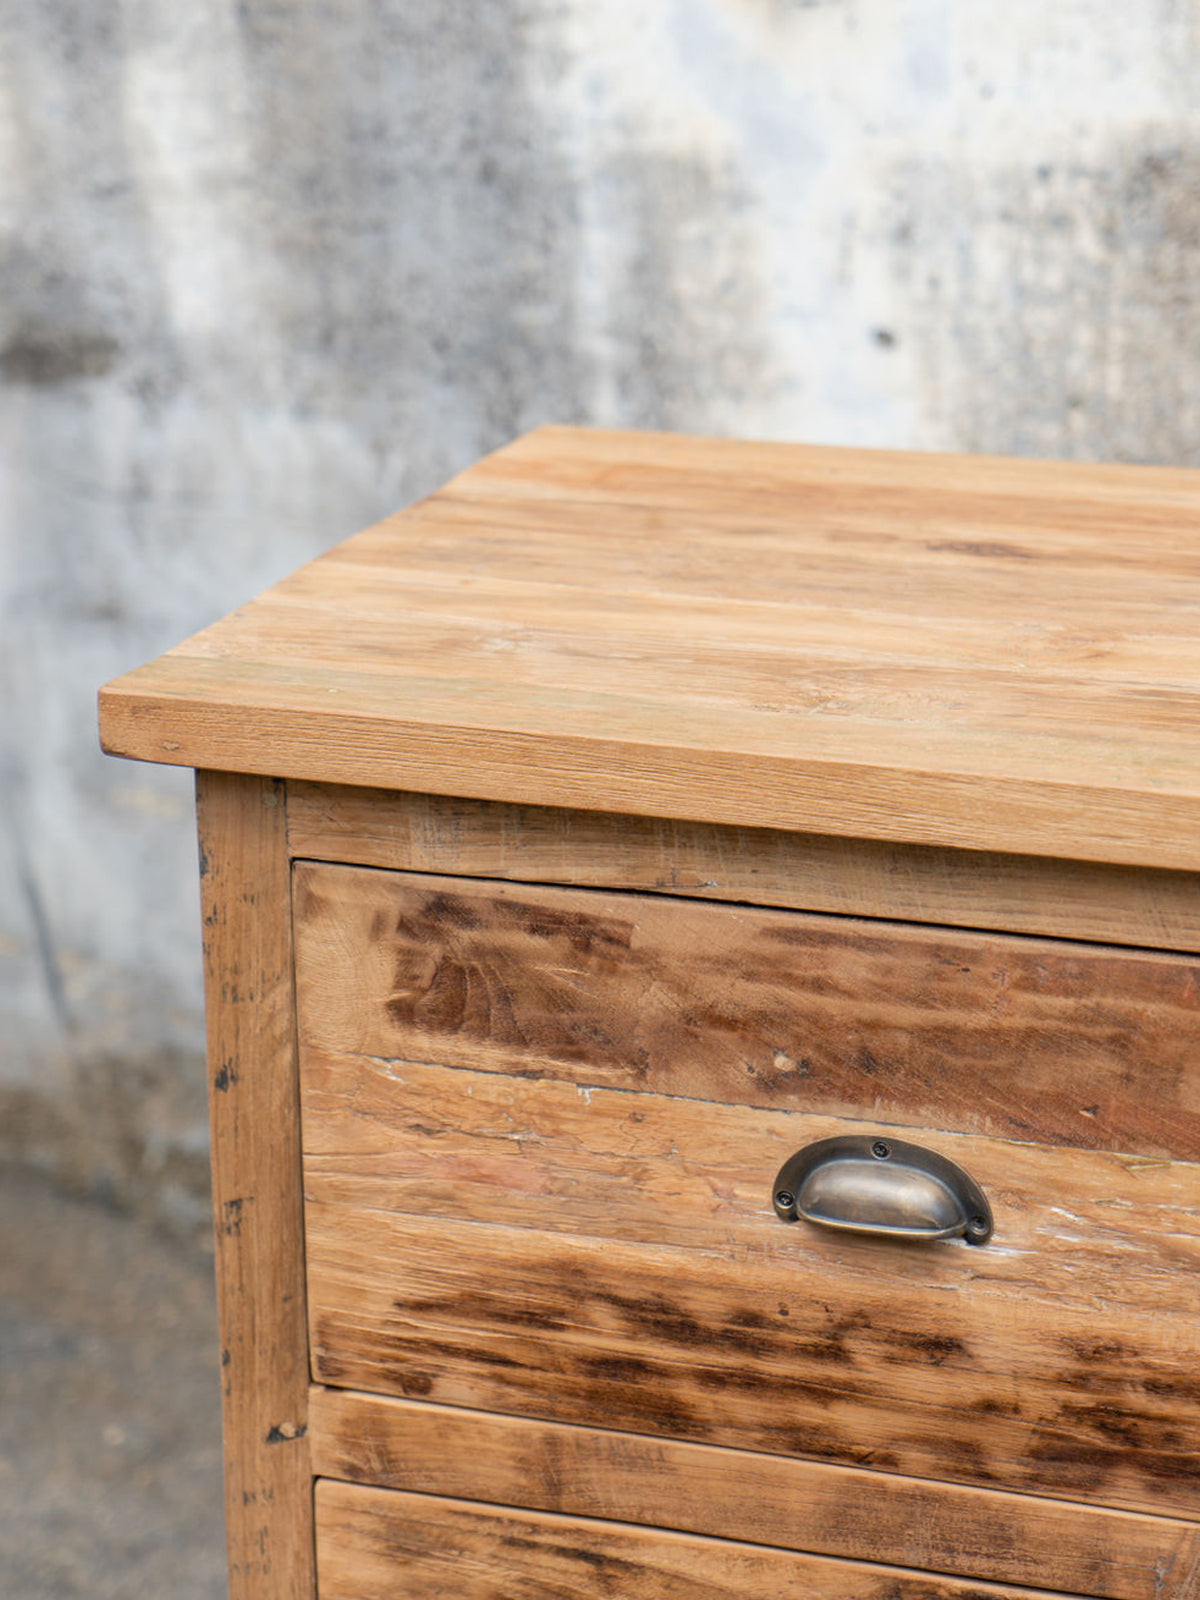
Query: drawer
point(1020, 1037)
point(541, 1128)
point(786, 1502)
point(513, 1246)
point(376, 1544)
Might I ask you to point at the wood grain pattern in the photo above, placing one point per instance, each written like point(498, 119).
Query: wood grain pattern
point(996, 656)
point(379, 1544)
point(613, 1257)
point(257, 1205)
point(420, 1139)
point(1028, 1038)
point(760, 866)
point(766, 1500)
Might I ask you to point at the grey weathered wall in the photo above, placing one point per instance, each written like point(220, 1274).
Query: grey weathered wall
point(268, 270)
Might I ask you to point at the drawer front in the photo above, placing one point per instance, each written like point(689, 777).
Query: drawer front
point(788, 1503)
point(377, 1544)
point(517, 1246)
point(584, 1233)
point(1023, 1038)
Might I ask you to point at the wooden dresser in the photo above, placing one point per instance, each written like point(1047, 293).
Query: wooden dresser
point(584, 843)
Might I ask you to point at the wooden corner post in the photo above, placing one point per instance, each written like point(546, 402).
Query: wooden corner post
point(257, 1199)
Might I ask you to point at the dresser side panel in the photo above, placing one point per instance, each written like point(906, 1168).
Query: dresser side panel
point(257, 1200)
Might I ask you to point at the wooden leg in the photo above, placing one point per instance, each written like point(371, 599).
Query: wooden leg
point(257, 1199)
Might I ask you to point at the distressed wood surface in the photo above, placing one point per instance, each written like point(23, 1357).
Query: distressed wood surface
point(257, 1202)
point(987, 655)
point(380, 1544)
point(419, 1139)
point(612, 1257)
point(762, 866)
point(800, 1505)
point(1026, 1038)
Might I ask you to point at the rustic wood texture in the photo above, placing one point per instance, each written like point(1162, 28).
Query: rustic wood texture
point(798, 1505)
point(380, 1544)
point(612, 1257)
point(420, 1139)
point(981, 654)
point(1038, 1040)
point(761, 866)
point(257, 1202)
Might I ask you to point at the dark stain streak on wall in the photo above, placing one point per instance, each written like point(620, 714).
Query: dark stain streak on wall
point(1056, 307)
point(50, 356)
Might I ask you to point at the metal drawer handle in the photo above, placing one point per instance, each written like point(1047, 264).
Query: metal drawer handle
point(883, 1186)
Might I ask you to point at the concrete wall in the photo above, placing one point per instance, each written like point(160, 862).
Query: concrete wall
point(270, 269)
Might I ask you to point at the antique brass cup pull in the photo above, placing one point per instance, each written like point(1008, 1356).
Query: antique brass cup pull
point(882, 1186)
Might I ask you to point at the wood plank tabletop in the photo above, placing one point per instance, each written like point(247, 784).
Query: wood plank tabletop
point(976, 652)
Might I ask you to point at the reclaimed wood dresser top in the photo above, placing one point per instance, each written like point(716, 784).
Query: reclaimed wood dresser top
point(977, 652)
